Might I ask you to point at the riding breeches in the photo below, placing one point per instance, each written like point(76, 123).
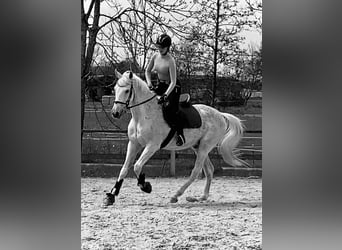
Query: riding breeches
point(171, 107)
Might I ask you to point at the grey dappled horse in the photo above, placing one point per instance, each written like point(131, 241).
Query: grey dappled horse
point(147, 130)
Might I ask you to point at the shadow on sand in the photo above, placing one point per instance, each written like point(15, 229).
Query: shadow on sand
point(217, 205)
point(207, 205)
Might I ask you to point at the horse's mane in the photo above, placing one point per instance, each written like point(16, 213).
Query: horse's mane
point(141, 83)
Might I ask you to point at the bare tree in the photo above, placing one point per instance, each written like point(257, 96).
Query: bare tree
point(88, 41)
point(256, 7)
point(131, 33)
point(91, 26)
point(107, 44)
point(253, 67)
point(218, 24)
point(191, 56)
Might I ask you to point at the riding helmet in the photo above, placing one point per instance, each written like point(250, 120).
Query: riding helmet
point(164, 41)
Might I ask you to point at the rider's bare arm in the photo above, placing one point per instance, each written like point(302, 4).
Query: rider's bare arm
point(148, 71)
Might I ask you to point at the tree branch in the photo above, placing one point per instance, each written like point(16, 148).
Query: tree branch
point(90, 8)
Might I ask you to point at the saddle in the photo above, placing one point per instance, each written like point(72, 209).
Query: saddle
point(189, 115)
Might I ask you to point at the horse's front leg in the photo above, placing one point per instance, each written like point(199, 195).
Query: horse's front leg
point(147, 153)
point(132, 150)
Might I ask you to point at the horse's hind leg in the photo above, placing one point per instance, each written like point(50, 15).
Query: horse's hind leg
point(208, 171)
point(208, 168)
point(202, 154)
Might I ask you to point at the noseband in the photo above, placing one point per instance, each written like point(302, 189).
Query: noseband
point(129, 99)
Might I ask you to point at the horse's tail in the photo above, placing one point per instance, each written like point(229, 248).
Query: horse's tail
point(230, 140)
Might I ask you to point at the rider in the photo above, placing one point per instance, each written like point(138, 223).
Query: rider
point(167, 85)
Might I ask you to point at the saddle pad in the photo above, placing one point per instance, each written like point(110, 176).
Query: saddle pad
point(190, 116)
point(190, 119)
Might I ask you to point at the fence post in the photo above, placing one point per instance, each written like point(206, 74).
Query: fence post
point(173, 163)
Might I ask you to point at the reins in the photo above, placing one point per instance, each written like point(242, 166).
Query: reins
point(135, 105)
point(129, 99)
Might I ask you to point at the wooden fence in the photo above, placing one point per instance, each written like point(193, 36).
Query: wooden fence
point(251, 152)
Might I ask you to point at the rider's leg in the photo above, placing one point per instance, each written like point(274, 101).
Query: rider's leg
point(176, 120)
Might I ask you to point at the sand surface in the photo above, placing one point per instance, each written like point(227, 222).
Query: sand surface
point(230, 219)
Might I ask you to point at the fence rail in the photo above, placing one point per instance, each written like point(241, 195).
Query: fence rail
point(172, 156)
point(125, 131)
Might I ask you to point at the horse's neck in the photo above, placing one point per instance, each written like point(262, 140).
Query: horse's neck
point(145, 110)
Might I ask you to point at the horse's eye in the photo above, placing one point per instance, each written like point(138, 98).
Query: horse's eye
point(126, 91)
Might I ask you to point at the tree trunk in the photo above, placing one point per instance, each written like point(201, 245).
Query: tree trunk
point(214, 86)
point(87, 51)
point(83, 67)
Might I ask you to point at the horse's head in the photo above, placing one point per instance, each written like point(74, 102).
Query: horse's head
point(123, 93)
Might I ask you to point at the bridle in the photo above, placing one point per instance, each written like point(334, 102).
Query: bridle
point(126, 103)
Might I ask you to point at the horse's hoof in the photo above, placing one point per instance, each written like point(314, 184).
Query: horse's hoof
point(203, 198)
point(173, 200)
point(147, 187)
point(109, 199)
point(191, 199)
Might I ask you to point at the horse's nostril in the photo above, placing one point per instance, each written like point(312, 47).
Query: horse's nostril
point(115, 114)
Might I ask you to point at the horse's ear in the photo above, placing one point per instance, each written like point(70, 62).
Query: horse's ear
point(130, 75)
point(117, 74)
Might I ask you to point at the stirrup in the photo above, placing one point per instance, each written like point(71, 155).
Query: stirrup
point(180, 140)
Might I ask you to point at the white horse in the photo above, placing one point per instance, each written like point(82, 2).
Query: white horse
point(147, 129)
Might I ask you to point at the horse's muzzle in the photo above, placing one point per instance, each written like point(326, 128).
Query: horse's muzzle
point(116, 114)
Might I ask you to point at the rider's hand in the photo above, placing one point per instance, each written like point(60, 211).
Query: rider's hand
point(151, 87)
point(162, 99)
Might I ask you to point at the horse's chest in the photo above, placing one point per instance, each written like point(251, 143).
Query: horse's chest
point(141, 133)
